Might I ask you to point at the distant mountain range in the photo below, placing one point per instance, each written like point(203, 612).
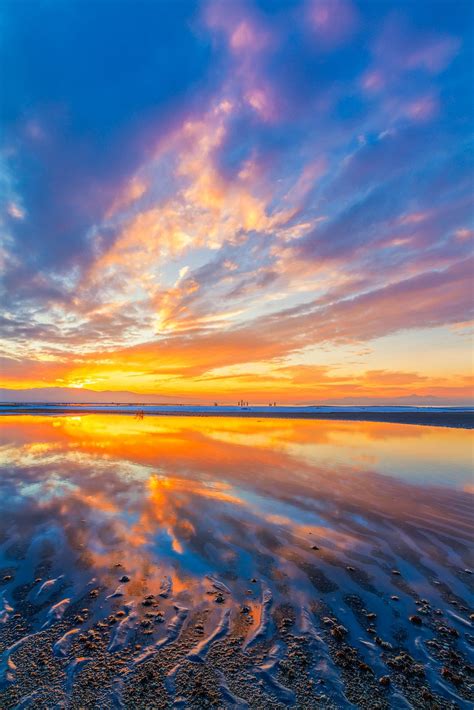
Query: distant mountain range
point(74, 395)
point(68, 395)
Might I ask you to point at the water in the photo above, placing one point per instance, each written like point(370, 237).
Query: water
point(179, 550)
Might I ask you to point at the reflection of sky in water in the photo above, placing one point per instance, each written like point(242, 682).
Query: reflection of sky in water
point(199, 492)
point(415, 453)
point(195, 490)
point(176, 499)
point(433, 455)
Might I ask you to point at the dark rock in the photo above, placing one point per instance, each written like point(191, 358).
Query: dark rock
point(451, 676)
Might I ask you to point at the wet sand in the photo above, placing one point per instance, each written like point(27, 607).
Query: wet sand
point(177, 562)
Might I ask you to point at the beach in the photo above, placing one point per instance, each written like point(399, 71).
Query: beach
point(462, 417)
point(229, 562)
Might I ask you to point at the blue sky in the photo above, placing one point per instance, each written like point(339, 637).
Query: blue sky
point(200, 198)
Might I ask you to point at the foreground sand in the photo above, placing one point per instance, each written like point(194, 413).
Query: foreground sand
point(216, 567)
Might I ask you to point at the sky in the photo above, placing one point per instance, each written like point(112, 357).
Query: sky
point(269, 200)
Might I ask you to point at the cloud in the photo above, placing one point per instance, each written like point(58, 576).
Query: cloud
point(332, 21)
point(247, 182)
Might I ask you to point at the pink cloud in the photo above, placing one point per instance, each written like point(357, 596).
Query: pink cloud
point(244, 30)
point(433, 54)
point(373, 81)
point(333, 21)
point(423, 109)
point(249, 39)
point(400, 47)
point(400, 53)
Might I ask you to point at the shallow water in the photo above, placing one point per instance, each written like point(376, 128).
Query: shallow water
point(211, 525)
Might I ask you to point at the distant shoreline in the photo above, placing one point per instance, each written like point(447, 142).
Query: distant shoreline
point(455, 417)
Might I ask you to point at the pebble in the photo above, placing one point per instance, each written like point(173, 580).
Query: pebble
point(415, 620)
point(124, 579)
point(338, 632)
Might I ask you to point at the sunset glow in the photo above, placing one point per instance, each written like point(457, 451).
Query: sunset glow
point(210, 201)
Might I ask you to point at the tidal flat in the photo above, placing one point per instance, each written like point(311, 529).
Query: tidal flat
point(232, 562)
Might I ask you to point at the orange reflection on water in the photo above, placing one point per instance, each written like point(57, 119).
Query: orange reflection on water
point(219, 445)
point(185, 496)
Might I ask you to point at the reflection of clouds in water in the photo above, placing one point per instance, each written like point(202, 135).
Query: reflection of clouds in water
point(217, 447)
point(197, 489)
point(171, 484)
point(182, 505)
